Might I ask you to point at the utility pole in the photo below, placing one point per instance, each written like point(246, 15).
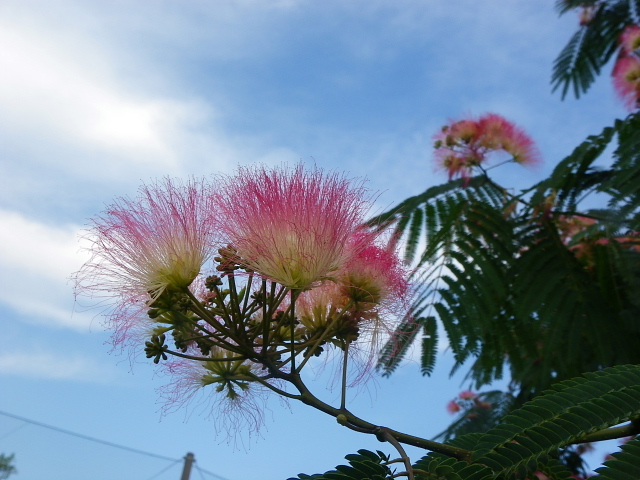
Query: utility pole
point(186, 470)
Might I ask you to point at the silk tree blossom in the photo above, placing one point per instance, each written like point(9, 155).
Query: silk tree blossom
point(630, 39)
point(465, 144)
point(498, 133)
point(366, 294)
point(587, 14)
point(626, 71)
point(318, 307)
point(375, 277)
point(358, 308)
point(467, 395)
point(453, 407)
point(626, 80)
point(235, 409)
point(290, 225)
point(141, 247)
point(571, 225)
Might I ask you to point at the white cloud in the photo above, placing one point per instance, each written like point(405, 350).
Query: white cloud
point(47, 90)
point(49, 366)
point(82, 104)
point(36, 262)
point(51, 252)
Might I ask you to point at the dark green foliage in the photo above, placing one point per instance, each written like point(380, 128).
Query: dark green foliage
point(529, 439)
point(365, 465)
point(625, 465)
point(623, 184)
point(442, 468)
point(510, 288)
point(455, 217)
point(429, 345)
point(7, 467)
point(436, 465)
point(592, 45)
point(567, 414)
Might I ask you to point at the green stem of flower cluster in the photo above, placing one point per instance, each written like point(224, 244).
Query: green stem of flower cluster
point(201, 359)
point(211, 320)
point(294, 298)
point(345, 359)
point(246, 295)
point(344, 416)
point(233, 296)
point(324, 335)
point(266, 320)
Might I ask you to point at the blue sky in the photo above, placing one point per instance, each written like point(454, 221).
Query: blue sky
point(97, 97)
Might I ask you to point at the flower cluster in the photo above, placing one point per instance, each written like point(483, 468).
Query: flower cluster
point(584, 235)
point(626, 71)
point(469, 402)
point(570, 226)
point(244, 278)
point(464, 144)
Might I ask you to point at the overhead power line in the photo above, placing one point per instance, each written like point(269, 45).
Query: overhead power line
point(105, 442)
point(87, 437)
point(202, 470)
point(164, 470)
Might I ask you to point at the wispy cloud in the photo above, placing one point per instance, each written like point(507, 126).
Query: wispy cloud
point(82, 114)
point(56, 367)
point(49, 92)
point(37, 261)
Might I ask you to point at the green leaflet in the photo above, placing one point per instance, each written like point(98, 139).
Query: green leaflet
point(365, 465)
point(429, 345)
point(564, 415)
point(625, 464)
point(590, 47)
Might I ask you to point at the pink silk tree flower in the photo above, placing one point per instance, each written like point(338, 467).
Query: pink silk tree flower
point(457, 148)
point(630, 39)
point(498, 133)
point(290, 225)
point(465, 144)
point(455, 164)
point(318, 307)
point(375, 274)
point(466, 395)
point(626, 80)
point(521, 147)
point(587, 14)
point(373, 282)
point(361, 305)
point(141, 247)
point(453, 407)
